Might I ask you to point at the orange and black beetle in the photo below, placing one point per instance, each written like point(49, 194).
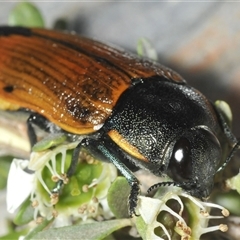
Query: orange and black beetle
point(131, 111)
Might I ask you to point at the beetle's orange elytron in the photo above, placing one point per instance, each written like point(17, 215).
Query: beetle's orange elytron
point(72, 81)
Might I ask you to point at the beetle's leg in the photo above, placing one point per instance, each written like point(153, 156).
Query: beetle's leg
point(106, 152)
point(42, 123)
point(233, 141)
point(39, 121)
point(132, 180)
point(226, 128)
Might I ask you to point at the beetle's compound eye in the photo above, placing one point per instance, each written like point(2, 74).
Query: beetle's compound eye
point(180, 164)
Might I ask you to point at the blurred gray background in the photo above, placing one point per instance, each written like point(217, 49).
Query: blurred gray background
point(201, 40)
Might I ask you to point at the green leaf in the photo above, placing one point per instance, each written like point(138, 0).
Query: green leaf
point(145, 49)
point(230, 200)
point(14, 235)
point(225, 110)
point(51, 140)
point(60, 24)
point(5, 165)
point(87, 231)
point(39, 228)
point(27, 15)
point(118, 197)
point(24, 214)
point(141, 227)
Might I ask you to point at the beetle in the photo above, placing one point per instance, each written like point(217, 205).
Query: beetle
point(130, 111)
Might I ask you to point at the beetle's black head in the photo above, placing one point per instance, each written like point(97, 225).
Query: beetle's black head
point(193, 161)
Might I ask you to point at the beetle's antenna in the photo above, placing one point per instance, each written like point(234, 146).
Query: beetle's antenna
point(233, 151)
point(161, 184)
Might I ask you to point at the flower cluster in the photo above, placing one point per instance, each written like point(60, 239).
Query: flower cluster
point(173, 214)
point(51, 193)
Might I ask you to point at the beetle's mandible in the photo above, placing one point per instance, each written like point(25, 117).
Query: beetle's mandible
point(132, 112)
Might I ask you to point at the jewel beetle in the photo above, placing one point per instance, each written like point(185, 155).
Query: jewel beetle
point(130, 111)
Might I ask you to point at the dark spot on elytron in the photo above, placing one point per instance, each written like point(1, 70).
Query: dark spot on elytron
point(84, 112)
point(81, 113)
point(97, 91)
point(8, 89)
